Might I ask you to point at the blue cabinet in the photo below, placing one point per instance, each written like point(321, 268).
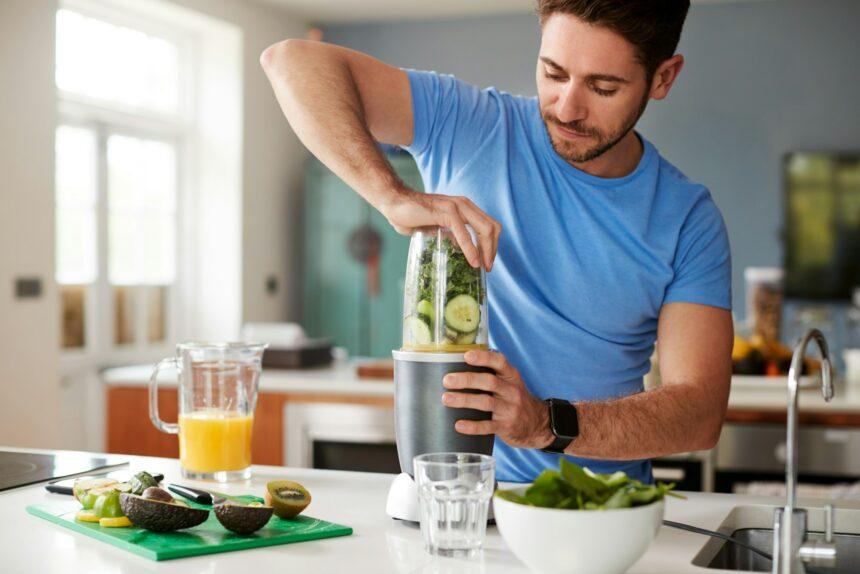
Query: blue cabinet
point(339, 300)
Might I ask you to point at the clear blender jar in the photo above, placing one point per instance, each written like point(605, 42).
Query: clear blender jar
point(445, 303)
point(444, 315)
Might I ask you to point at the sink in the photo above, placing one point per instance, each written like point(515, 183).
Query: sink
point(754, 525)
point(733, 557)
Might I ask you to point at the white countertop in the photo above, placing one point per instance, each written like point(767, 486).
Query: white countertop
point(755, 393)
point(379, 544)
point(338, 379)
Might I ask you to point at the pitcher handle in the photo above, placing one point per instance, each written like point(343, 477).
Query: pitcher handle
point(170, 428)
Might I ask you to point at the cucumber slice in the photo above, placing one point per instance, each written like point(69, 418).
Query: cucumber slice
point(418, 331)
point(467, 338)
point(425, 307)
point(463, 313)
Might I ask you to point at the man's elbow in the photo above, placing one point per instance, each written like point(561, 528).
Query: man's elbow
point(278, 53)
point(709, 434)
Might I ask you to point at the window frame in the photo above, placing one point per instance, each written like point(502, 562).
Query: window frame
point(105, 118)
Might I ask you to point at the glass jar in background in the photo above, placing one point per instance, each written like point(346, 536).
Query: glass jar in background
point(806, 316)
point(852, 338)
point(764, 301)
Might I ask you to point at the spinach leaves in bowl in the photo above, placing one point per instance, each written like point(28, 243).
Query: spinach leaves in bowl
point(577, 488)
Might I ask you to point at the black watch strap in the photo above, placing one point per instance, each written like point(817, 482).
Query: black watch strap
point(563, 423)
point(558, 445)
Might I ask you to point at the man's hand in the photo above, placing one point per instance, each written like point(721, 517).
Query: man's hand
point(519, 418)
point(409, 209)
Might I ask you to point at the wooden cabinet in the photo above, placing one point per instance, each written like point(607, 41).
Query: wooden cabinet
point(129, 430)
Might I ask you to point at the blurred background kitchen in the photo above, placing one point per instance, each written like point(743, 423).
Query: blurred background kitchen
point(152, 192)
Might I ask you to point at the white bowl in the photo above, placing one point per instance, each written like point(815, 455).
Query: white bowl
point(560, 541)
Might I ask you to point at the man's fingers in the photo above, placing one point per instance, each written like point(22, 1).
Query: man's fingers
point(475, 427)
point(477, 401)
point(497, 231)
point(492, 360)
point(479, 381)
point(485, 229)
point(464, 240)
point(403, 230)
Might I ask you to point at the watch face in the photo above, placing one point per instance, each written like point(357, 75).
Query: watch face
point(564, 420)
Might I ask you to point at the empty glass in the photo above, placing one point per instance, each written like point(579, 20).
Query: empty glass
point(454, 491)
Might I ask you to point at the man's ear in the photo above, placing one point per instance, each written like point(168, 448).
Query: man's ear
point(665, 76)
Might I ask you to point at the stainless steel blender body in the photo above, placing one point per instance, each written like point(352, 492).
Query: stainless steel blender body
point(422, 423)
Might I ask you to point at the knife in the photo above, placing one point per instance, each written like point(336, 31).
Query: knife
point(60, 488)
point(195, 494)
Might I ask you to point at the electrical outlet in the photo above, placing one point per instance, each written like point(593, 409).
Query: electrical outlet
point(272, 285)
point(28, 287)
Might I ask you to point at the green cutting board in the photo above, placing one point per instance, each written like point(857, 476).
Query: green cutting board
point(207, 538)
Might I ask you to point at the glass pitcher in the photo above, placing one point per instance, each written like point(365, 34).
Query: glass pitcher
point(217, 395)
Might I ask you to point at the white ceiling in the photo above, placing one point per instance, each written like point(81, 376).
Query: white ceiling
point(333, 11)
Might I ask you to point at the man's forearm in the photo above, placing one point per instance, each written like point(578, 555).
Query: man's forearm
point(670, 419)
point(318, 95)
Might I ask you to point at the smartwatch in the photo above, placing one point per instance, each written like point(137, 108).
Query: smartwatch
point(563, 423)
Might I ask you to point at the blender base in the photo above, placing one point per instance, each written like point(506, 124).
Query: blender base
point(402, 503)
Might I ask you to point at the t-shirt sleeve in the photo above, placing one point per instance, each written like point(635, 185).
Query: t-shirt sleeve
point(451, 121)
point(703, 265)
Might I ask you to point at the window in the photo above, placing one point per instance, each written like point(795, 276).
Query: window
point(148, 179)
point(118, 165)
point(117, 64)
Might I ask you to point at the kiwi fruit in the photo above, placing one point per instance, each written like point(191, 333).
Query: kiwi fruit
point(288, 498)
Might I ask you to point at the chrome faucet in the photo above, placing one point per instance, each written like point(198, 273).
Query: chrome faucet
point(791, 549)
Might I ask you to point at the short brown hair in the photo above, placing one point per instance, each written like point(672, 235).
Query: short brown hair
point(652, 26)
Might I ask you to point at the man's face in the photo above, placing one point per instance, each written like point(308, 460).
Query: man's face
point(591, 88)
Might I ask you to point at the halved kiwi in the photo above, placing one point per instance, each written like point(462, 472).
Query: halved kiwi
point(288, 498)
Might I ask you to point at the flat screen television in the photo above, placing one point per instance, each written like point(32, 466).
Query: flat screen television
point(822, 225)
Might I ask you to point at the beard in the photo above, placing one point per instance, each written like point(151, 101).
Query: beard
point(576, 152)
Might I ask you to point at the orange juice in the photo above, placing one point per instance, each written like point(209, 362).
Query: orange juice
point(214, 440)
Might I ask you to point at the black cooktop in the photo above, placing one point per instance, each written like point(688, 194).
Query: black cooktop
point(23, 468)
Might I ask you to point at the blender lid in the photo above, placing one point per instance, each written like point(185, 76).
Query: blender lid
point(428, 357)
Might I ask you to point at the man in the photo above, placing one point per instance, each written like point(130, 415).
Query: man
point(606, 246)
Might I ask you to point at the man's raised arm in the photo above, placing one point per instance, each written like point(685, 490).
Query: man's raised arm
point(338, 102)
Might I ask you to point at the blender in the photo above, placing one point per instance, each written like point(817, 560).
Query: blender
point(444, 315)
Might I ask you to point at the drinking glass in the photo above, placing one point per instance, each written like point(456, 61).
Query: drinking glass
point(454, 491)
point(217, 396)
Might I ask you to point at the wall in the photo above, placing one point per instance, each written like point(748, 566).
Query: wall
point(272, 167)
point(30, 386)
point(29, 329)
point(761, 79)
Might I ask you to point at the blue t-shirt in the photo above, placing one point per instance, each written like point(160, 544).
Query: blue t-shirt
point(584, 263)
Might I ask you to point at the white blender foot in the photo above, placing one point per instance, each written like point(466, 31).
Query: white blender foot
point(403, 499)
point(402, 502)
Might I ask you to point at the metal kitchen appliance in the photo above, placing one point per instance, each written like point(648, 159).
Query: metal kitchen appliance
point(444, 315)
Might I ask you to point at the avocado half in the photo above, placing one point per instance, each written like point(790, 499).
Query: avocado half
point(242, 519)
point(158, 515)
